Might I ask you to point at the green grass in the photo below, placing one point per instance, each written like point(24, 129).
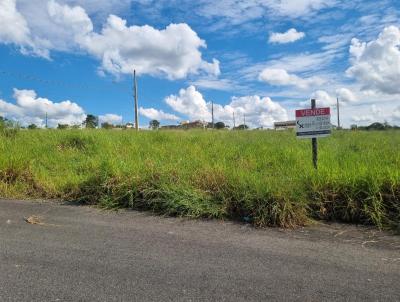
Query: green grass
point(263, 177)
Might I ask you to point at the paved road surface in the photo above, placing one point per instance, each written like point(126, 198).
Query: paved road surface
point(85, 254)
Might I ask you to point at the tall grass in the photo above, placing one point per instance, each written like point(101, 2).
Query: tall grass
point(262, 177)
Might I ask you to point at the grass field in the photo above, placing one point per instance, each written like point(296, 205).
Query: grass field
point(262, 177)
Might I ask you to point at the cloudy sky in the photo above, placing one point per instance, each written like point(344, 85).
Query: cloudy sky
point(259, 58)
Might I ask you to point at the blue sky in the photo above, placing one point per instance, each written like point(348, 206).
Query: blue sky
point(259, 58)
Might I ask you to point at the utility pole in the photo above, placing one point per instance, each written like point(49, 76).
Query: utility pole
point(136, 101)
point(338, 113)
point(234, 121)
point(46, 121)
point(212, 114)
point(244, 120)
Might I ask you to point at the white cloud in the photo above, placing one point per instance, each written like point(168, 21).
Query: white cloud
point(325, 99)
point(346, 96)
point(234, 12)
point(191, 103)
point(39, 27)
point(396, 114)
point(376, 64)
point(69, 25)
point(30, 108)
point(216, 84)
point(172, 52)
point(280, 77)
point(14, 28)
point(258, 111)
point(159, 115)
point(44, 26)
point(300, 8)
point(362, 118)
point(110, 118)
point(290, 36)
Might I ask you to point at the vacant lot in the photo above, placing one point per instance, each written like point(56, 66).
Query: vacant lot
point(262, 177)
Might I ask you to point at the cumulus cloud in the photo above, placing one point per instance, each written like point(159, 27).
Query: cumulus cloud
point(374, 113)
point(362, 118)
point(280, 77)
point(69, 25)
point(325, 99)
point(396, 114)
point(173, 52)
point(110, 118)
point(289, 36)
point(159, 115)
point(39, 27)
point(191, 103)
point(30, 108)
point(259, 111)
point(14, 28)
point(346, 96)
point(376, 64)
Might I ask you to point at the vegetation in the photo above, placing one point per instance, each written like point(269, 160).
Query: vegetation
point(32, 127)
point(154, 124)
point(63, 126)
point(376, 126)
point(263, 177)
point(220, 125)
point(91, 121)
point(107, 126)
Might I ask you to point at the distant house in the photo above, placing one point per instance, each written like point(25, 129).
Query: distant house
point(130, 126)
point(193, 125)
point(285, 125)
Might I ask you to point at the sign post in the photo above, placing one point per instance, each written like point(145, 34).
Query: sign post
point(313, 123)
point(314, 142)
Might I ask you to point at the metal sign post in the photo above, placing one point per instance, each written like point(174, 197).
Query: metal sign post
point(314, 142)
point(313, 123)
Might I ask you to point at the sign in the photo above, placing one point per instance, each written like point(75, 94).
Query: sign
point(313, 123)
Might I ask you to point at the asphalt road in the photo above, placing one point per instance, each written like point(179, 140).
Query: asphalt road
point(85, 254)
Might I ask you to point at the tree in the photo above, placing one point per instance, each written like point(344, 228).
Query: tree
point(32, 127)
point(62, 126)
point(377, 126)
point(219, 125)
point(154, 124)
point(107, 125)
point(91, 121)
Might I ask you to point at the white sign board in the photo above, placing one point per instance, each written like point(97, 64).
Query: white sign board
point(313, 123)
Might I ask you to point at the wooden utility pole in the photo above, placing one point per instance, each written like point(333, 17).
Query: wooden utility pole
point(234, 121)
point(314, 142)
point(46, 121)
point(338, 113)
point(244, 121)
point(136, 101)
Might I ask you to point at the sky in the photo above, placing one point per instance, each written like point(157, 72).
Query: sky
point(259, 59)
